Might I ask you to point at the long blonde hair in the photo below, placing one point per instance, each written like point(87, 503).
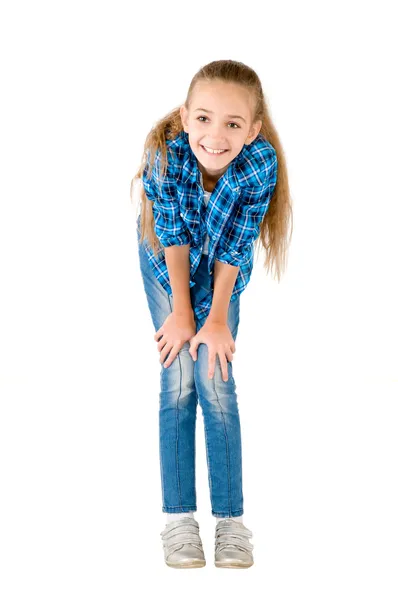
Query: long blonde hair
point(273, 235)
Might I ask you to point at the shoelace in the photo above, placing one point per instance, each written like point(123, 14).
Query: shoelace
point(230, 533)
point(184, 531)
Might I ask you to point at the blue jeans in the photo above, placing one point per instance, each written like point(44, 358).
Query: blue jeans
point(182, 384)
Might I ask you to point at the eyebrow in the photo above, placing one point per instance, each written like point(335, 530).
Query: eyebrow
point(229, 116)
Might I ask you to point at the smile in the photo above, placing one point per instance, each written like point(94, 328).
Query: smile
point(211, 151)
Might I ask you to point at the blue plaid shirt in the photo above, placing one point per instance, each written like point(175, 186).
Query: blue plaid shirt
point(232, 217)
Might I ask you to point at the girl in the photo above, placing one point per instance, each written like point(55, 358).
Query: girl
point(214, 182)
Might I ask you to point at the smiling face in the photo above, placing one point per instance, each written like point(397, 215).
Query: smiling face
point(219, 118)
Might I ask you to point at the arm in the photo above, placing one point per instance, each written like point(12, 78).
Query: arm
point(215, 332)
point(170, 230)
point(177, 261)
point(243, 229)
point(224, 280)
point(162, 192)
point(235, 246)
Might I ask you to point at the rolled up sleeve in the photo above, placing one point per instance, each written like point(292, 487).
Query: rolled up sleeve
point(235, 247)
point(235, 258)
point(162, 191)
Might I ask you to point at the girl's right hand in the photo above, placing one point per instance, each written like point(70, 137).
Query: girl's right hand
point(175, 331)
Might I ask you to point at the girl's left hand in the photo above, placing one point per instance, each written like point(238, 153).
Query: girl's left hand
point(218, 338)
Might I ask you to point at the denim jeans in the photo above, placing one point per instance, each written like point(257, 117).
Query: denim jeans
point(182, 385)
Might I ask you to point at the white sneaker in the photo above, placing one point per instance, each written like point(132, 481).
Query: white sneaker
point(232, 548)
point(182, 544)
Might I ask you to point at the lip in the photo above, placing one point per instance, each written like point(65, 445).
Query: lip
point(210, 154)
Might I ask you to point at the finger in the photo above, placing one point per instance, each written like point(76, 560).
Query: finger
point(233, 347)
point(224, 366)
point(158, 334)
point(171, 356)
point(193, 346)
point(162, 343)
point(165, 351)
point(212, 365)
point(229, 355)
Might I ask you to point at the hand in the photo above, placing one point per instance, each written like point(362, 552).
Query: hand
point(218, 338)
point(175, 331)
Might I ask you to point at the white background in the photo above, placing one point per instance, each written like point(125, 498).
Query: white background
point(316, 355)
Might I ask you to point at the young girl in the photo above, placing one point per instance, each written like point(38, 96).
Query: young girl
point(214, 182)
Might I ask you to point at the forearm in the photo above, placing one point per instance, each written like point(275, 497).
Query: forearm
point(224, 281)
point(178, 266)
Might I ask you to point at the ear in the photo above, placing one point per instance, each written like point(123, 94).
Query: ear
point(254, 131)
point(184, 117)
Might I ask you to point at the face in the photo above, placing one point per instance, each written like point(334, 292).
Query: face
point(219, 118)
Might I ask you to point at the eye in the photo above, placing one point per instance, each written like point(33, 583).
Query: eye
point(232, 123)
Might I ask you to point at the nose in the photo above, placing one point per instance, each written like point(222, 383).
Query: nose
point(216, 134)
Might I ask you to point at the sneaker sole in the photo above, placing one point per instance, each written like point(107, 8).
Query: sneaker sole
point(232, 565)
point(191, 565)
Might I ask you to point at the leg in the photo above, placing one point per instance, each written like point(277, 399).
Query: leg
point(177, 410)
point(218, 400)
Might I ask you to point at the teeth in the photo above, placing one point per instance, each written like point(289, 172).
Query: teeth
point(213, 151)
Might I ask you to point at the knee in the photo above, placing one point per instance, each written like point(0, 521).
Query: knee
point(178, 378)
point(215, 387)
